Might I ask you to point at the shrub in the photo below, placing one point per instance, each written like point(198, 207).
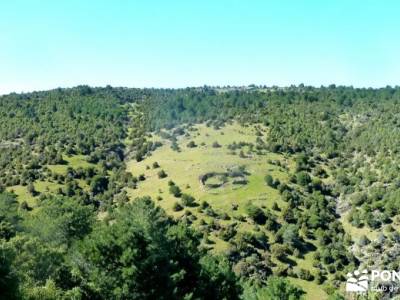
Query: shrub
point(279, 251)
point(204, 204)
point(227, 233)
point(175, 146)
point(302, 178)
point(216, 145)
point(363, 241)
point(275, 206)
point(256, 214)
point(175, 190)
point(31, 189)
point(98, 184)
point(188, 200)
point(177, 206)
point(319, 277)
point(161, 174)
point(269, 180)
point(25, 206)
point(191, 144)
point(305, 274)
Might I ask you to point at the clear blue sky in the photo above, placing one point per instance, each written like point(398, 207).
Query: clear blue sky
point(63, 43)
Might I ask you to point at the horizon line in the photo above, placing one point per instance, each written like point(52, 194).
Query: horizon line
point(217, 86)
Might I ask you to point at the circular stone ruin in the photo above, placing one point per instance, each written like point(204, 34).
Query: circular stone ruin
point(235, 175)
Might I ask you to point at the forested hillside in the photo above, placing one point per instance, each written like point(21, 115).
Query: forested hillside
point(197, 193)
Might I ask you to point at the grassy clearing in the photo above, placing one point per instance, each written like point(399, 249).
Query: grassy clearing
point(40, 186)
point(73, 161)
point(186, 167)
point(46, 186)
point(305, 262)
point(355, 232)
point(22, 194)
point(312, 289)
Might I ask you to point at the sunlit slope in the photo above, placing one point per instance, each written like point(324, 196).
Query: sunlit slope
point(186, 167)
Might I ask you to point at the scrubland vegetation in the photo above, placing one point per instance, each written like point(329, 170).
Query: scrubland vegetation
point(198, 193)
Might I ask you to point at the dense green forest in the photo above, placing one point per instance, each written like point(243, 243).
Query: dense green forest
point(77, 220)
